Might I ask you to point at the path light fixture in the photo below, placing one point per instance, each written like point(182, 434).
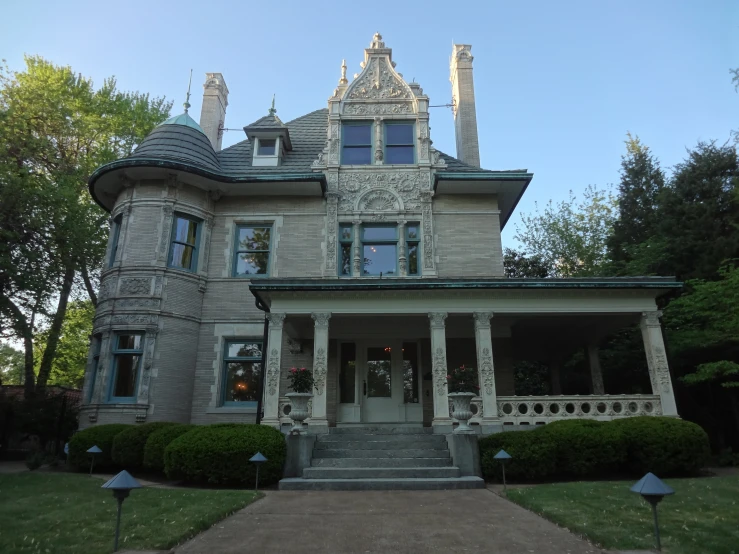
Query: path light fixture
point(502, 456)
point(257, 459)
point(92, 451)
point(653, 491)
point(121, 486)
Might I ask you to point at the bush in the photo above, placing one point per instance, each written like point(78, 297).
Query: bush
point(219, 454)
point(158, 442)
point(100, 435)
point(533, 455)
point(128, 445)
point(663, 445)
point(35, 460)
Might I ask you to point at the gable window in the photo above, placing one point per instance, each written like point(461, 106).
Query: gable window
point(380, 249)
point(184, 248)
point(399, 143)
point(267, 147)
point(412, 244)
point(97, 340)
point(242, 368)
point(252, 250)
point(116, 233)
point(127, 353)
point(356, 144)
point(346, 239)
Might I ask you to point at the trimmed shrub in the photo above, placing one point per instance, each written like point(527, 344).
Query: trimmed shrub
point(663, 445)
point(219, 454)
point(128, 445)
point(533, 455)
point(158, 441)
point(100, 435)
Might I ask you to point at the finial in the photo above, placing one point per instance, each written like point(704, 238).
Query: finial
point(343, 80)
point(187, 99)
point(272, 110)
point(377, 41)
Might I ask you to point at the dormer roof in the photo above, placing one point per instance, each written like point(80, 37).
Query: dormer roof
point(269, 126)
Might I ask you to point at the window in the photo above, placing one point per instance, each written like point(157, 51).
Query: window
point(116, 234)
point(96, 343)
point(410, 373)
point(127, 353)
point(357, 144)
point(348, 373)
point(399, 143)
point(242, 369)
point(346, 239)
point(412, 244)
point(185, 234)
point(380, 250)
point(267, 147)
point(252, 250)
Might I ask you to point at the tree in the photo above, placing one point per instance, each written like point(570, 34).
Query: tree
point(570, 237)
point(517, 265)
point(55, 129)
point(11, 365)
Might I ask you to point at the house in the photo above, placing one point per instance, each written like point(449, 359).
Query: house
point(344, 242)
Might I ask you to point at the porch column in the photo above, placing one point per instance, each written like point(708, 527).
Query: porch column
point(272, 370)
point(596, 373)
point(659, 372)
point(318, 419)
point(442, 423)
point(486, 369)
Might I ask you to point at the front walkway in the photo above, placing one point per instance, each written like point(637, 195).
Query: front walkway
point(385, 521)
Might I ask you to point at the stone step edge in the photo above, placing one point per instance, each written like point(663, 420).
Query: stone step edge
point(427, 483)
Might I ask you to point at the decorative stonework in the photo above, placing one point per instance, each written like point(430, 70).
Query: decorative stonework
point(651, 319)
point(378, 109)
point(136, 286)
point(167, 211)
point(355, 188)
point(107, 289)
point(428, 230)
point(661, 369)
point(320, 370)
point(158, 281)
point(273, 372)
point(133, 319)
point(321, 318)
point(276, 319)
point(131, 303)
point(437, 319)
point(378, 201)
point(379, 81)
point(487, 375)
point(440, 370)
point(482, 319)
point(332, 202)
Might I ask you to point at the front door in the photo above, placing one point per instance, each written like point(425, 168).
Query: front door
point(380, 388)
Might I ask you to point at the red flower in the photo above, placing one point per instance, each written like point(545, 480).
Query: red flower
point(448, 376)
point(293, 370)
point(302, 369)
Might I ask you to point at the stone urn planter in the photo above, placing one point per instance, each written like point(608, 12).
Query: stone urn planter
point(298, 410)
point(462, 413)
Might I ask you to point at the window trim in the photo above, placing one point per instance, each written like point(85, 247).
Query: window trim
point(196, 246)
point(342, 243)
point(417, 241)
point(115, 351)
point(370, 242)
point(117, 222)
point(385, 142)
point(248, 404)
point(258, 145)
point(96, 349)
point(358, 123)
point(236, 251)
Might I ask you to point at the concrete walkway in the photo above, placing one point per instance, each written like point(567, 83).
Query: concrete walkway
point(385, 521)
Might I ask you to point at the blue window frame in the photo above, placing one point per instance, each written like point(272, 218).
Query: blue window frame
point(380, 250)
point(96, 343)
point(413, 248)
point(242, 370)
point(252, 251)
point(116, 232)
point(346, 240)
point(356, 144)
point(128, 349)
point(399, 143)
point(183, 252)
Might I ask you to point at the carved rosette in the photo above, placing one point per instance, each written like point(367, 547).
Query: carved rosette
point(167, 211)
point(320, 370)
point(273, 372)
point(440, 371)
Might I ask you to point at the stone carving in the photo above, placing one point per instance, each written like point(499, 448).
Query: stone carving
point(158, 285)
point(436, 157)
point(107, 289)
point(378, 201)
point(357, 261)
point(428, 248)
point(651, 319)
point(437, 319)
point(276, 319)
point(662, 370)
point(379, 81)
point(464, 53)
point(319, 367)
point(378, 109)
point(482, 319)
point(167, 211)
point(331, 212)
point(439, 369)
point(354, 187)
point(133, 319)
point(147, 303)
point(273, 371)
point(321, 319)
point(136, 285)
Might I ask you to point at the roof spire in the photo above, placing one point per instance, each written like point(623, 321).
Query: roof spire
point(187, 99)
point(377, 41)
point(272, 110)
point(343, 80)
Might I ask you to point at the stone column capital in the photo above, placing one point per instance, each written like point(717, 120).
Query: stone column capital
point(437, 319)
point(482, 319)
point(321, 318)
point(276, 319)
point(651, 319)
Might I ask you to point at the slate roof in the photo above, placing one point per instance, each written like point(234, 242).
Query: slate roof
point(270, 121)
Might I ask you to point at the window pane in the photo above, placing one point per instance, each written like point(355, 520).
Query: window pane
point(357, 155)
point(378, 373)
point(399, 134)
point(348, 373)
point(254, 238)
point(182, 256)
point(399, 154)
point(130, 342)
point(346, 260)
point(244, 350)
point(413, 259)
point(125, 375)
point(185, 230)
point(266, 147)
point(252, 264)
point(410, 373)
point(379, 233)
point(345, 232)
point(412, 232)
point(242, 381)
point(379, 258)
point(357, 135)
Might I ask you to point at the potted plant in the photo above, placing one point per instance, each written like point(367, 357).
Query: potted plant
point(463, 388)
point(301, 385)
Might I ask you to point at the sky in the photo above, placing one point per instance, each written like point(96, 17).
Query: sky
point(558, 84)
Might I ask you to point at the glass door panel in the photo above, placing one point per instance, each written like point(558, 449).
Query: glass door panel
point(379, 372)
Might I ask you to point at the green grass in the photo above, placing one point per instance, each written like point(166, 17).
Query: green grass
point(701, 517)
point(61, 513)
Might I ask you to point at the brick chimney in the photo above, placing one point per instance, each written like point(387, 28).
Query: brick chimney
point(463, 98)
point(213, 113)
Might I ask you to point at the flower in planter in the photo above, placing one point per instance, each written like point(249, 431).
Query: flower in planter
point(463, 379)
point(301, 380)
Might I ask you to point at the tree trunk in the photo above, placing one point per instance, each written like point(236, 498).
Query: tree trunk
point(25, 331)
point(88, 285)
point(56, 327)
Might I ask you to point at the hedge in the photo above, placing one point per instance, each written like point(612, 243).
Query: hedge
point(128, 445)
point(591, 449)
point(101, 436)
point(158, 441)
point(219, 454)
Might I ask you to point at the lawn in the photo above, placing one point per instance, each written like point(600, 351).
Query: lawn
point(63, 513)
point(701, 517)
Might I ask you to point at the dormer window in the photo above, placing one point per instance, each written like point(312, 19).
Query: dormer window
point(266, 151)
point(267, 147)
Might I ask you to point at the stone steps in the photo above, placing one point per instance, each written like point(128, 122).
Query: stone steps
point(381, 462)
point(297, 484)
point(370, 444)
point(396, 453)
point(395, 439)
point(380, 472)
point(381, 430)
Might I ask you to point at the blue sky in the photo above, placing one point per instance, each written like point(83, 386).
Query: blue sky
point(558, 83)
